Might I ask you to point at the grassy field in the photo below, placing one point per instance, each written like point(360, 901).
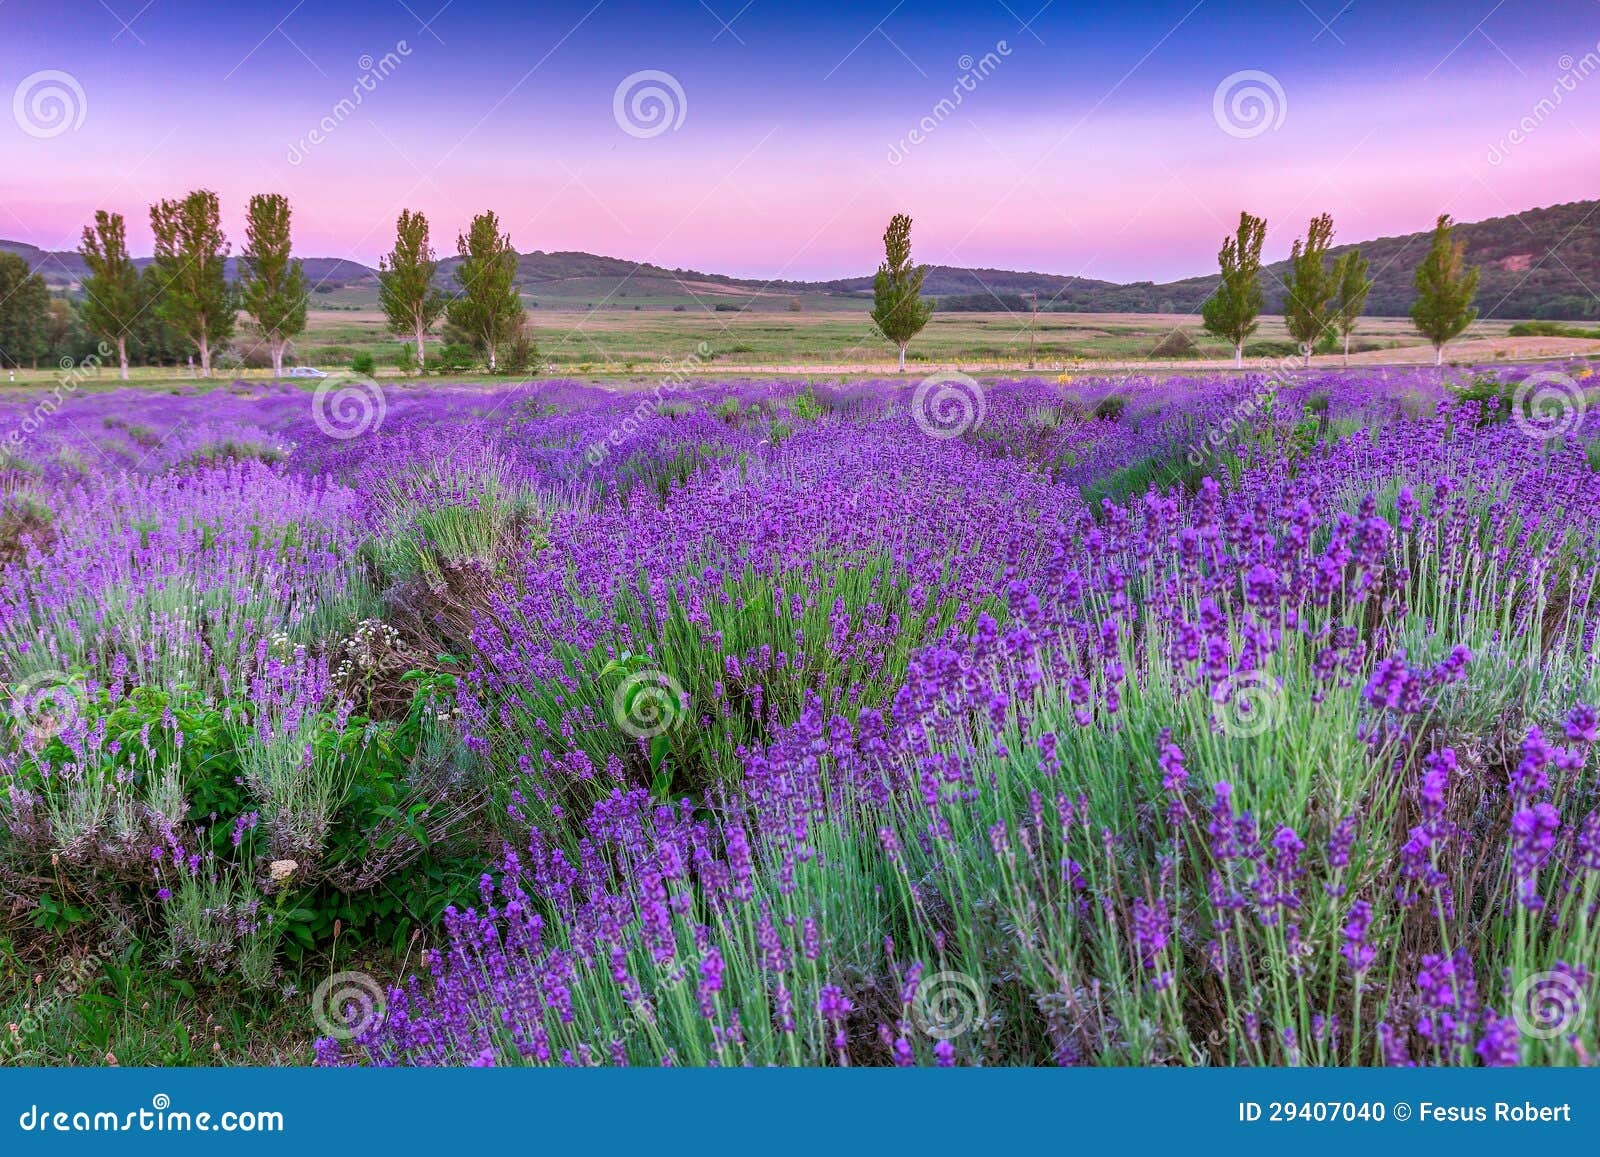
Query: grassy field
point(626, 339)
point(616, 342)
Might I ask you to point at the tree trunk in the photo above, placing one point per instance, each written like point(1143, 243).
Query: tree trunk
point(491, 357)
point(277, 356)
point(1308, 355)
point(1238, 355)
point(902, 357)
point(1346, 351)
point(1438, 354)
point(205, 353)
point(422, 358)
point(122, 354)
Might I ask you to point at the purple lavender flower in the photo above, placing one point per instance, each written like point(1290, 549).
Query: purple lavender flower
point(833, 1005)
point(1356, 950)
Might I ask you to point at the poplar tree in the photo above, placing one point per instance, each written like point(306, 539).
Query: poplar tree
point(488, 307)
point(112, 298)
point(405, 282)
point(1310, 287)
point(1445, 289)
point(24, 311)
point(190, 258)
point(273, 286)
point(1232, 312)
point(1351, 286)
point(898, 310)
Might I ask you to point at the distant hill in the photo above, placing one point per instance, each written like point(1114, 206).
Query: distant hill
point(1539, 263)
point(65, 269)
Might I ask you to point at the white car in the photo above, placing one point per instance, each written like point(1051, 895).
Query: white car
point(306, 372)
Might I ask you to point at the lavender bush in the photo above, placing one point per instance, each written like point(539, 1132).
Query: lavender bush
point(1150, 721)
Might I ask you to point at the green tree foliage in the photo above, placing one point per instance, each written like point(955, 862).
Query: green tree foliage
point(155, 341)
point(272, 284)
point(898, 310)
point(112, 301)
point(1445, 289)
point(1310, 286)
point(1351, 285)
point(24, 312)
point(519, 353)
point(190, 257)
point(405, 282)
point(488, 306)
point(1232, 311)
point(67, 341)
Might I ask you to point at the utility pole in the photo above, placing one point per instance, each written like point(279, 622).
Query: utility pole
point(1033, 327)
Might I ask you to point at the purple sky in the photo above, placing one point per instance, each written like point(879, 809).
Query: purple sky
point(1093, 145)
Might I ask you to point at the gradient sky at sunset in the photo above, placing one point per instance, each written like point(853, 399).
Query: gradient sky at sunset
point(1090, 148)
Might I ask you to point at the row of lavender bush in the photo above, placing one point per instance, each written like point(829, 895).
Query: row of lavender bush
point(1083, 736)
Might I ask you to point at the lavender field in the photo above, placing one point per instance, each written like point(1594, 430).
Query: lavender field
point(1236, 720)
